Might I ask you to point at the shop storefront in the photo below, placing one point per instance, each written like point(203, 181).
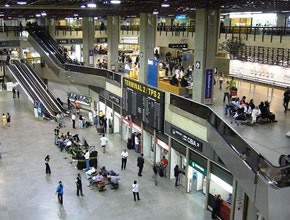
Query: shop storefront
point(148, 143)
point(126, 129)
point(110, 105)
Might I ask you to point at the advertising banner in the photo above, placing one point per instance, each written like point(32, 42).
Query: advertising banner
point(152, 72)
point(208, 86)
point(263, 72)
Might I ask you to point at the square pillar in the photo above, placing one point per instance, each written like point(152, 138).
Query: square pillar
point(88, 40)
point(206, 40)
point(147, 43)
point(113, 26)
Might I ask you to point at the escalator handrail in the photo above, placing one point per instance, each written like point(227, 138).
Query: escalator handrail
point(50, 111)
point(36, 87)
point(45, 88)
point(32, 97)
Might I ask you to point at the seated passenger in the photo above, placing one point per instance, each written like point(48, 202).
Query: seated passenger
point(96, 179)
point(90, 172)
point(114, 180)
point(174, 81)
point(183, 82)
point(243, 100)
point(233, 106)
point(104, 171)
point(269, 115)
point(255, 114)
point(251, 104)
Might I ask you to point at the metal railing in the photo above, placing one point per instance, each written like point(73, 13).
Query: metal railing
point(278, 176)
point(243, 32)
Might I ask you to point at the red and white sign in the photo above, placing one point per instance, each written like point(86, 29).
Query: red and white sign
point(137, 127)
point(126, 122)
point(162, 144)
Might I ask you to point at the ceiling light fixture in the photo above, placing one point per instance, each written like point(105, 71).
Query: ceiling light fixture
point(7, 5)
point(91, 5)
point(76, 14)
point(1, 15)
point(115, 2)
point(43, 13)
point(155, 12)
point(165, 4)
point(21, 3)
point(38, 15)
point(83, 6)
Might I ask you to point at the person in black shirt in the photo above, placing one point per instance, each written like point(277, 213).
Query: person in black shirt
point(174, 81)
point(79, 185)
point(183, 82)
point(286, 99)
point(47, 167)
point(177, 171)
point(140, 164)
point(56, 134)
point(216, 206)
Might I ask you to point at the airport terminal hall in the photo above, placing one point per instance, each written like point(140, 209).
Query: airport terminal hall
point(145, 109)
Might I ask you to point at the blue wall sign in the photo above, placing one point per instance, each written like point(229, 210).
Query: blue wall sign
point(208, 86)
point(152, 72)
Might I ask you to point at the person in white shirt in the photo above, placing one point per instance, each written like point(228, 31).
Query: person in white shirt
point(104, 141)
point(135, 190)
point(73, 118)
point(177, 72)
point(87, 158)
point(255, 113)
point(124, 156)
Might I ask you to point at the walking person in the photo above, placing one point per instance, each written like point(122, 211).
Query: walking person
point(79, 185)
point(104, 141)
point(124, 156)
point(8, 116)
point(14, 92)
point(216, 206)
point(221, 80)
point(59, 192)
point(18, 93)
point(140, 164)
point(73, 118)
point(163, 165)
point(135, 190)
point(286, 99)
point(87, 158)
point(136, 143)
point(176, 174)
point(227, 92)
point(155, 174)
point(47, 167)
point(4, 120)
point(56, 135)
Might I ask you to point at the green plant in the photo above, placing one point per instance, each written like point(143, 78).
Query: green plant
point(232, 46)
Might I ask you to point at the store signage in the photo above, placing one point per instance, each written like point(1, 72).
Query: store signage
point(208, 86)
point(178, 46)
point(257, 71)
point(115, 99)
point(62, 41)
point(198, 167)
point(137, 127)
point(126, 121)
point(186, 139)
point(11, 43)
point(101, 40)
point(162, 144)
point(76, 41)
point(130, 40)
point(82, 99)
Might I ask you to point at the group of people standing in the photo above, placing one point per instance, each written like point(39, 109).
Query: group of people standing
point(15, 92)
point(6, 120)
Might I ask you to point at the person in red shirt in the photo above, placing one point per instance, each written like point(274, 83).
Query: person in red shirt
point(163, 165)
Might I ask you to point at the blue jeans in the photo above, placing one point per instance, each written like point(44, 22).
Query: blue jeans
point(55, 139)
point(176, 180)
point(88, 164)
point(80, 124)
point(228, 109)
point(137, 147)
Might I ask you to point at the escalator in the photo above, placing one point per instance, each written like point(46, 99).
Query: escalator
point(62, 65)
point(35, 89)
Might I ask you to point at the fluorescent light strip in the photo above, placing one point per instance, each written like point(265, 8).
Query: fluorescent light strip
point(91, 5)
point(115, 2)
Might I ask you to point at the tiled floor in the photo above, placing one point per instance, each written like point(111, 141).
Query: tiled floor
point(270, 139)
point(27, 193)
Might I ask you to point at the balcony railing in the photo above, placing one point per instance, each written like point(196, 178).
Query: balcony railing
point(277, 176)
point(258, 32)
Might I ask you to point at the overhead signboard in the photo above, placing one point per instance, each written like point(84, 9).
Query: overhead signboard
point(178, 46)
point(101, 40)
point(144, 102)
point(62, 41)
point(76, 41)
point(186, 139)
point(11, 43)
point(130, 40)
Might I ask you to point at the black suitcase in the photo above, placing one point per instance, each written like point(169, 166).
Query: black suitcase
point(130, 144)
